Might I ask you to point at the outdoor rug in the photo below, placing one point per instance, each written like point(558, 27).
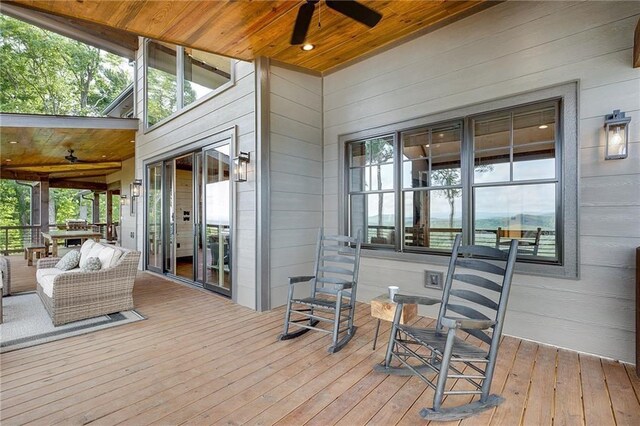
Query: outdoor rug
point(27, 323)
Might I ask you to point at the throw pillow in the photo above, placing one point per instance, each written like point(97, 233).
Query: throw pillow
point(92, 264)
point(69, 260)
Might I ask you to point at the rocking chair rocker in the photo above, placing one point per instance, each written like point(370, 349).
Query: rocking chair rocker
point(480, 304)
point(333, 292)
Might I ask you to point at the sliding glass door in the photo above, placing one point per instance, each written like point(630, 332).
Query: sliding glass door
point(154, 244)
point(217, 218)
point(188, 217)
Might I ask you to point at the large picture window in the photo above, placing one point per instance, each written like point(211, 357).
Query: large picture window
point(177, 77)
point(493, 176)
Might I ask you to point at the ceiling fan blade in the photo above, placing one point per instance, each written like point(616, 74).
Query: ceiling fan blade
point(356, 11)
point(305, 13)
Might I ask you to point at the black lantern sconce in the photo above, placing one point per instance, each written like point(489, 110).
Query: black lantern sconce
point(135, 190)
point(616, 127)
point(240, 166)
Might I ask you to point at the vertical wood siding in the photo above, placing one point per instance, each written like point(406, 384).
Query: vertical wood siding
point(232, 107)
point(512, 48)
point(295, 125)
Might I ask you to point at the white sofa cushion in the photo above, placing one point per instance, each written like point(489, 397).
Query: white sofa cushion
point(46, 276)
point(86, 247)
point(108, 255)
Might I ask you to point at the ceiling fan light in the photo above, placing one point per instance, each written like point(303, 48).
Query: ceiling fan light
point(307, 47)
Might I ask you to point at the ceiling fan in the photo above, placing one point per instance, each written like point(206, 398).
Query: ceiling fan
point(72, 158)
point(349, 8)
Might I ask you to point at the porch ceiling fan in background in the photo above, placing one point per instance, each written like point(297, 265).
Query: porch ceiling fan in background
point(72, 158)
point(349, 8)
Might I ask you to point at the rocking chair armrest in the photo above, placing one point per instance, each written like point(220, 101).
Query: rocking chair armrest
point(467, 324)
point(300, 279)
point(344, 286)
point(419, 300)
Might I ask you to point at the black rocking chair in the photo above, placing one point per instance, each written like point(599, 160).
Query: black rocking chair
point(471, 303)
point(333, 292)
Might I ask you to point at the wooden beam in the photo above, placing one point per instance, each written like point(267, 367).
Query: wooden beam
point(636, 47)
point(74, 184)
point(21, 175)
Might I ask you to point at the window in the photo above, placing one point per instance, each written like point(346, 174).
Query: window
point(176, 77)
point(162, 83)
point(203, 73)
point(492, 172)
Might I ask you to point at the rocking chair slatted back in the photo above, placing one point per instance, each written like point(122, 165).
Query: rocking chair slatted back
point(476, 296)
point(336, 263)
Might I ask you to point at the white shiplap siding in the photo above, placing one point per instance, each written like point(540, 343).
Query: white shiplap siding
point(512, 48)
point(232, 108)
point(295, 124)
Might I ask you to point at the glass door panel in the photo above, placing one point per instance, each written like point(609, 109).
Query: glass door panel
point(154, 217)
point(183, 216)
point(217, 219)
point(198, 206)
point(169, 218)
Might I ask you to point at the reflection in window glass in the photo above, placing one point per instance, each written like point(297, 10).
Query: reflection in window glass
point(432, 218)
point(162, 100)
point(492, 165)
point(431, 156)
point(374, 215)
point(521, 210)
point(534, 135)
point(203, 73)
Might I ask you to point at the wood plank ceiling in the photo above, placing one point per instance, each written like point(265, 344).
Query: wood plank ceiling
point(247, 30)
point(34, 152)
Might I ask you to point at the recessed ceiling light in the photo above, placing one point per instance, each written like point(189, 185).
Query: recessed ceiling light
point(307, 47)
point(104, 156)
point(8, 159)
point(543, 126)
point(13, 142)
point(133, 141)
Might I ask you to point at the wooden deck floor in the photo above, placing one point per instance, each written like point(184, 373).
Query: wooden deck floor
point(199, 359)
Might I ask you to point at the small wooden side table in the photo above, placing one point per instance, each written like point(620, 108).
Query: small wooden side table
point(383, 308)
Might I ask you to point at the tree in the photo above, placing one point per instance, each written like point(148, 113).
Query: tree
point(448, 177)
point(46, 73)
point(15, 202)
point(381, 152)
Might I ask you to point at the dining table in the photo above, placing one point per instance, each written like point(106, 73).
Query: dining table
point(52, 237)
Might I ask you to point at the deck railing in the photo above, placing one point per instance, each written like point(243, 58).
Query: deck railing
point(442, 238)
point(13, 239)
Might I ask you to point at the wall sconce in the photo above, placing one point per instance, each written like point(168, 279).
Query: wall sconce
point(240, 166)
point(616, 127)
point(134, 190)
point(123, 200)
point(136, 186)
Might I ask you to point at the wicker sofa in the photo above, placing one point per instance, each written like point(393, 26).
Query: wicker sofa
point(78, 294)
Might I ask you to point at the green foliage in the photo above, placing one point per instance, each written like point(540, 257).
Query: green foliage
point(161, 95)
point(46, 73)
point(15, 203)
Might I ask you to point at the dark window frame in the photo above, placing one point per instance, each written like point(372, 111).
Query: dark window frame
point(565, 96)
